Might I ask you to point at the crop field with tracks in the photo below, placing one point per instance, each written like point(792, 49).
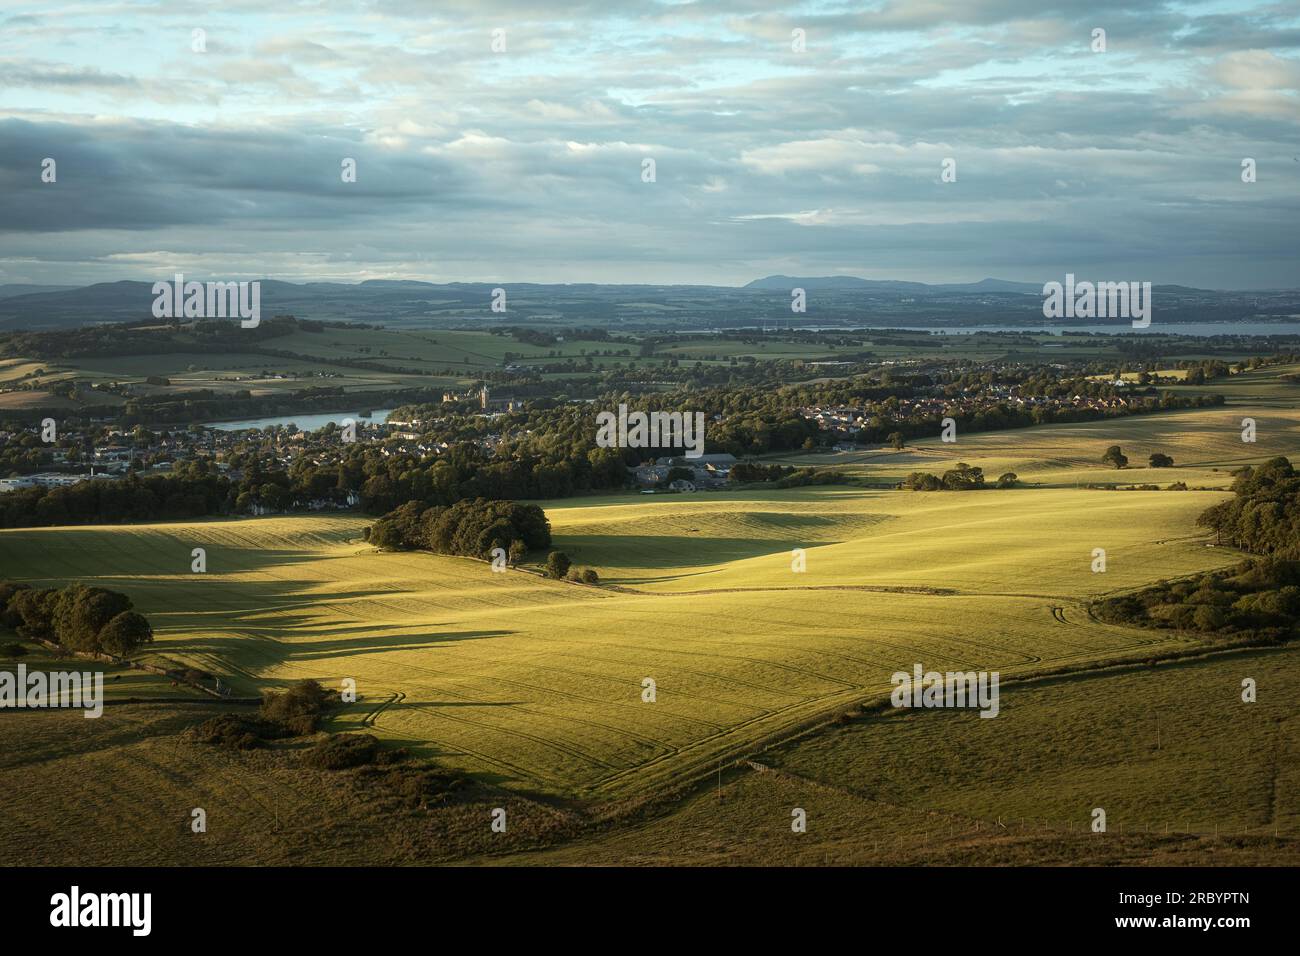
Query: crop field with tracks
point(538, 683)
point(534, 687)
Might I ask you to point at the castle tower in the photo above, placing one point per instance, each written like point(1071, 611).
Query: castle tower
point(483, 398)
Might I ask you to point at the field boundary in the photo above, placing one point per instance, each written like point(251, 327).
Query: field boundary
point(174, 675)
point(880, 707)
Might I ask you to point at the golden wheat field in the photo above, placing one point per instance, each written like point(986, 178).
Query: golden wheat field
point(535, 688)
point(538, 684)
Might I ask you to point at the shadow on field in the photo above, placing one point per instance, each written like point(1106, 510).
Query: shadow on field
point(138, 559)
point(375, 644)
point(669, 551)
point(235, 600)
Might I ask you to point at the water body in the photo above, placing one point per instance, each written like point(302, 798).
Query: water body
point(1118, 327)
point(308, 423)
point(1155, 328)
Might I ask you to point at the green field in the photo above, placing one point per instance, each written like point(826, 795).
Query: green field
point(397, 358)
point(538, 682)
point(1205, 443)
point(122, 683)
point(533, 687)
point(1219, 784)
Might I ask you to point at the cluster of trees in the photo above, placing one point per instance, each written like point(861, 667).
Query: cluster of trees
point(1258, 599)
point(78, 617)
point(1198, 373)
point(554, 466)
point(290, 713)
point(743, 472)
point(802, 477)
point(1264, 516)
point(559, 567)
point(471, 528)
point(784, 476)
point(190, 493)
point(961, 477)
point(1115, 456)
point(299, 708)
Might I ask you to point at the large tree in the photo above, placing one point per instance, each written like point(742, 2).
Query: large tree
point(125, 633)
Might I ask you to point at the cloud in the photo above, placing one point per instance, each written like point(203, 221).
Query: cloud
point(527, 165)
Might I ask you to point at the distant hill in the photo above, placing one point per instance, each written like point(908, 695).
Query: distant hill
point(9, 291)
point(851, 283)
point(129, 300)
point(834, 300)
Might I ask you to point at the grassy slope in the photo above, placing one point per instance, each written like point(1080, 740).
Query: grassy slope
point(978, 542)
point(930, 788)
point(120, 790)
point(535, 685)
point(120, 681)
point(942, 787)
point(1199, 440)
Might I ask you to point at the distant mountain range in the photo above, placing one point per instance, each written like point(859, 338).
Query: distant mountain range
point(849, 283)
point(9, 291)
point(832, 300)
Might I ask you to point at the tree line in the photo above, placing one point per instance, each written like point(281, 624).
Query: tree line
point(470, 528)
point(190, 493)
point(960, 477)
point(1257, 600)
point(1264, 516)
point(78, 617)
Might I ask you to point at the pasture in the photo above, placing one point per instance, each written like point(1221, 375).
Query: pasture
point(121, 682)
point(1187, 773)
point(533, 688)
point(1205, 443)
point(1171, 745)
point(537, 685)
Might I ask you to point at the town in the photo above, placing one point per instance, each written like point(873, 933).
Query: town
point(361, 462)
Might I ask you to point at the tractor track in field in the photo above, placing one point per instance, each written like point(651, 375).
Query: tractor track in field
point(703, 767)
point(694, 773)
point(395, 698)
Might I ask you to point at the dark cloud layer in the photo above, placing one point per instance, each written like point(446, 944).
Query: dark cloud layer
point(527, 165)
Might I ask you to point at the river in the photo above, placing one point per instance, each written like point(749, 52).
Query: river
point(308, 423)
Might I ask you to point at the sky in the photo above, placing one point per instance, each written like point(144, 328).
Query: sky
point(508, 141)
